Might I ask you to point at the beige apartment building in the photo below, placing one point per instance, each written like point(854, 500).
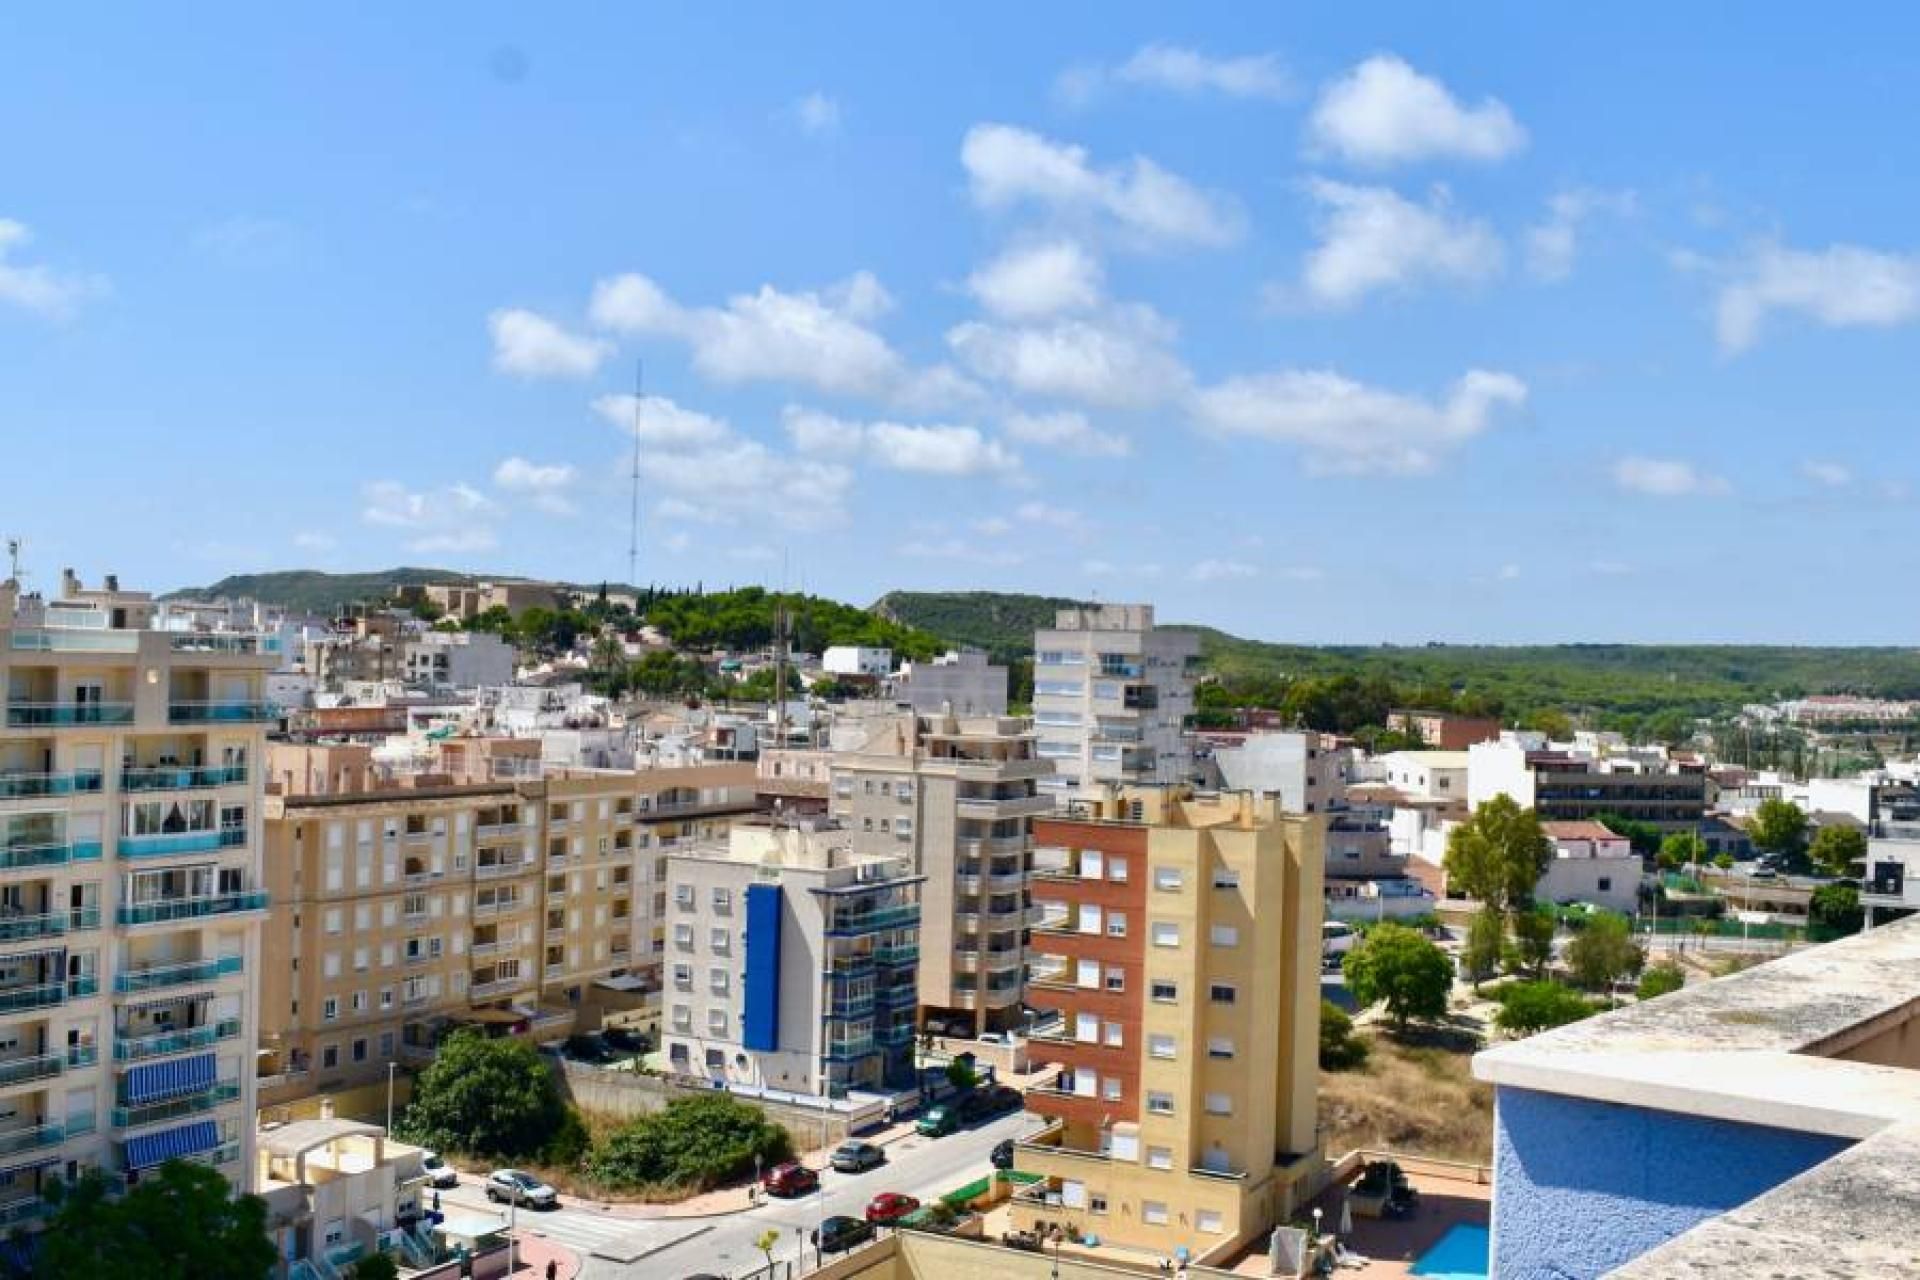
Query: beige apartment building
point(957, 796)
point(130, 892)
point(1179, 941)
point(485, 892)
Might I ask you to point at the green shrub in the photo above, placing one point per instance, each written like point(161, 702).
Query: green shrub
point(485, 1096)
point(1527, 1007)
point(693, 1144)
point(1659, 980)
point(1340, 1049)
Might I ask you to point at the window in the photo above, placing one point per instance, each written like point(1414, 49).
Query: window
point(1168, 878)
point(334, 920)
point(722, 900)
point(1219, 1047)
point(1208, 1220)
point(359, 1002)
point(683, 897)
point(386, 999)
point(1089, 918)
point(683, 977)
point(717, 981)
point(1224, 935)
point(1166, 933)
point(329, 1056)
point(1116, 1035)
point(1153, 1213)
point(682, 1019)
point(330, 1009)
point(1606, 884)
point(360, 1049)
point(1226, 878)
point(1096, 1202)
point(1110, 1088)
point(1158, 1103)
point(1159, 1157)
point(1090, 864)
point(1116, 978)
point(717, 1021)
point(1219, 1104)
point(1163, 991)
point(1159, 1046)
point(720, 941)
point(1116, 925)
point(1086, 1028)
point(1117, 870)
point(683, 936)
point(1221, 993)
point(1087, 974)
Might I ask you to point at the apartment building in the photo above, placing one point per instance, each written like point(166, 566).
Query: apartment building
point(1574, 786)
point(457, 660)
point(1307, 771)
point(1111, 695)
point(957, 798)
point(1179, 939)
point(130, 892)
point(790, 963)
point(960, 679)
point(1443, 730)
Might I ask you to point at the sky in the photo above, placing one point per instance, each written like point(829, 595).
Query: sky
point(1530, 324)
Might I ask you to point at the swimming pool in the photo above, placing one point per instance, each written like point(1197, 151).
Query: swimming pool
point(1461, 1254)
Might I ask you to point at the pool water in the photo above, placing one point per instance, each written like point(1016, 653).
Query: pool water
point(1461, 1254)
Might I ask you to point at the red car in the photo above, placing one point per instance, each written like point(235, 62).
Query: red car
point(890, 1206)
point(790, 1180)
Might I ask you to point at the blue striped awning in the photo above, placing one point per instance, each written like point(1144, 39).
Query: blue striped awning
point(150, 1149)
point(169, 1079)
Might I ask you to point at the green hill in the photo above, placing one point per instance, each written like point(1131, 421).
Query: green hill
point(1000, 622)
point(312, 591)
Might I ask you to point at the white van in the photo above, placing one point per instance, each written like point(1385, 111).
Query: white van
point(1336, 939)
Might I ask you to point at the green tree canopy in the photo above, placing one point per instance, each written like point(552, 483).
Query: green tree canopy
point(1836, 909)
point(1526, 1007)
point(1340, 1048)
point(693, 1144)
point(1395, 965)
point(1533, 939)
point(1779, 827)
point(374, 1266)
point(1682, 848)
point(1835, 850)
point(1486, 936)
point(180, 1221)
point(1659, 980)
point(1604, 952)
point(485, 1096)
point(1498, 854)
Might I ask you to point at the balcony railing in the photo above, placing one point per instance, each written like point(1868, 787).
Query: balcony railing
point(901, 997)
point(223, 642)
point(22, 928)
point(129, 1117)
point(871, 921)
point(160, 977)
point(497, 986)
point(172, 844)
point(60, 715)
point(24, 786)
point(20, 1212)
point(851, 1047)
point(494, 870)
point(136, 1048)
point(13, 1141)
point(22, 1070)
point(857, 1006)
point(498, 906)
point(166, 910)
point(45, 995)
point(494, 947)
point(76, 640)
point(181, 778)
point(238, 712)
point(19, 857)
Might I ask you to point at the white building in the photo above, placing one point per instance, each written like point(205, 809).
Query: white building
point(961, 679)
point(1425, 775)
point(1590, 864)
point(1111, 694)
point(1302, 768)
point(458, 660)
point(857, 660)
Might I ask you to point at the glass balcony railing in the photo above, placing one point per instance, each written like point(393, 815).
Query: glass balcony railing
point(22, 1070)
point(16, 857)
point(81, 988)
point(901, 997)
point(23, 786)
point(75, 640)
point(160, 977)
point(173, 843)
point(164, 910)
point(132, 1116)
point(44, 995)
point(854, 1006)
point(181, 777)
point(238, 712)
point(20, 1212)
point(851, 1047)
point(57, 715)
point(870, 921)
point(897, 953)
point(223, 642)
point(22, 928)
point(136, 1048)
point(13, 1141)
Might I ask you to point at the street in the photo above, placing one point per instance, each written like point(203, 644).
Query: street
point(920, 1167)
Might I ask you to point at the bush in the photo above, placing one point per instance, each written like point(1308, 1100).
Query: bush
point(1659, 980)
point(1398, 966)
point(1340, 1049)
point(1604, 952)
point(481, 1096)
point(1526, 1007)
point(694, 1144)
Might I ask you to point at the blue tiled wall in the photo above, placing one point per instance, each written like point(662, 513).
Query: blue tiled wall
point(1582, 1187)
point(760, 1025)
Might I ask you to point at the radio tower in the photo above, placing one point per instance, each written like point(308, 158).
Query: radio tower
point(633, 516)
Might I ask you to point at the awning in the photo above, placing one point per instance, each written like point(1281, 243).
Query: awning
point(169, 1079)
point(150, 1149)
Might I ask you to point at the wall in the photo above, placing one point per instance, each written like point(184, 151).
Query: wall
point(1582, 1187)
point(625, 1094)
point(1578, 880)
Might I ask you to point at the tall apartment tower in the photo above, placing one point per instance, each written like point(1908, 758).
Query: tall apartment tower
point(1179, 937)
point(130, 891)
point(1111, 694)
point(957, 796)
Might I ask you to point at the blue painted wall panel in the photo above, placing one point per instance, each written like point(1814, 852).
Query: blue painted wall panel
point(760, 1027)
point(1582, 1187)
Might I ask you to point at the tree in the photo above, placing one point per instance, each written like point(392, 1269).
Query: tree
point(1643, 836)
point(1533, 933)
point(1778, 827)
point(765, 1242)
point(1526, 1007)
point(1836, 849)
point(1340, 1049)
point(1659, 980)
point(1396, 965)
point(1485, 936)
point(1498, 854)
point(1682, 848)
point(181, 1220)
point(1723, 860)
point(486, 1097)
point(1551, 722)
point(695, 1143)
point(1835, 909)
point(1604, 952)
point(961, 1075)
point(375, 1266)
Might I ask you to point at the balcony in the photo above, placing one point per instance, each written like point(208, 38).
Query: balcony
point(989, 807)
point(21, 857)
point(495, 870)
point(494, 947)
point(244, 712)
point(873, 921)
point(852, 1006)
point(497, 986)
point(160, 977)
point(15, 1071)
point(496, 830)
point(45, 995)
point(76, 640)
point(841, 968)
point(897, 953)
point(36, 1138)
point(499, 906)
point(130, 1117)
point(62, 715)
point(23, 928)
point(139, 1048)
point(181, 778)
point(229, 642)
point(18, 1213)
point(173, 844)
point(31, 786)
point(850, 1048)
point(170, 910)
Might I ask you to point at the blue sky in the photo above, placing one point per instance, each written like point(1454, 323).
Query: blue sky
point(1554, 325)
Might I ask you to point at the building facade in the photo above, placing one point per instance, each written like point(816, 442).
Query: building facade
point(961, 680)
point(1567, 786)
point(1179, 938)
point(1111, 695)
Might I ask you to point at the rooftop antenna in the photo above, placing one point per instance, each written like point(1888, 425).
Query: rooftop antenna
point(633, 517)
point(13, 561)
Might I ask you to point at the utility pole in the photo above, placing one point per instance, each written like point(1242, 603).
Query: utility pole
point(633, 515)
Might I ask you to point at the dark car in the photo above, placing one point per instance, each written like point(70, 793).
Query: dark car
point(790, 1180)
point(890, 1206)
point(1002, 1156)
point(1002, 1098)
point(841, 1232)
point(937, 1121)
point(857, 1157)
point(587, 1048)
point(624, 1039)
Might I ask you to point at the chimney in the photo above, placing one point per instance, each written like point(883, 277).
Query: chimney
point(69, 584)
point(113, 582)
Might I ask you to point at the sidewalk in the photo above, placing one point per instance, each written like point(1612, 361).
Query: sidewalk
point(534, 1252)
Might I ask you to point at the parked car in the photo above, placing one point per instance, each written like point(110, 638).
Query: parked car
point(790, 1180)
point(510, 1186)
point(993, 1037)
point(1337, 937)
point(588, 1048)
point(841, 1232)
point(937, 1121)
point(890, 1206)
point(439, 1172)
point(1002, 1098)
point(1002, 1156)
point(625, 1040)
point(857, 1157)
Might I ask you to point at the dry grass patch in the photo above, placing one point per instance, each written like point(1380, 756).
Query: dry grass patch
point(1417, 1097)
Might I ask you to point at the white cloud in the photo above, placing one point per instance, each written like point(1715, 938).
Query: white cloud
point(743, 477)
point(1033, 281)
point(545, 485)
point(1842, 287)
point(1373, 238)
point(936, 449)
point(1833, 475)
point(817, 114)
point(819, 339)
point(1509, 573)
point(993, 526)
point(663, 424)
point(57, 295)
point(1552, 245)
point(1116, 360)
point(1347, 426)
point(1384, 112)
point(1666, 478)
point(1007, 166)
point(1222, 571)
point(1069, 432)
point(457, 518)
point(1181, 70)
point(529, 345)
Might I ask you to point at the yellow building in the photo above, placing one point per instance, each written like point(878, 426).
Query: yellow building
point(1178, 935)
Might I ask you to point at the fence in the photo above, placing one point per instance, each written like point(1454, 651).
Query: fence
point(812, 1122)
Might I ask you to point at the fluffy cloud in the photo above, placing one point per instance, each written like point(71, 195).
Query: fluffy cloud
point(529, 345)
point(545, 485)
point(1666, 478)
point(458, 518)
point(1373, 238)
point(662, 424)
point(1032, 281)
point(1553, 244)
point(1842, 287)
point(1182, 70)
point(1069, 432)
point(1834, 475)
point(1383, 112)
point(1008, 166)
point(817, 114)
point(1222, 571)
point(1118, 359)
point(1347, 426)
point(742, 477)
point(937, 449)
point(38, 288)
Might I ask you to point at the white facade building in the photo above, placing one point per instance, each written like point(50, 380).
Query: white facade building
point(1111, 694)
point(458, 660)
point(962, 680)
point(857, 660)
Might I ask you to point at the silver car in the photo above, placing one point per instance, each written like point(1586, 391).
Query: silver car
point(510, 1186)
